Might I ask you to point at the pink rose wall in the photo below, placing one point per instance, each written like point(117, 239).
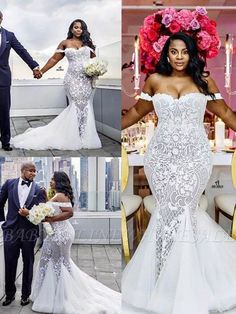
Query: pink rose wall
point(131, 22)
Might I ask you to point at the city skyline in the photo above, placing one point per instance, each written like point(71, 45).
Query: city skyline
point(80, 170)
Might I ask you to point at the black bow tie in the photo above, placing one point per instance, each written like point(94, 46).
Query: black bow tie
point(25, 182)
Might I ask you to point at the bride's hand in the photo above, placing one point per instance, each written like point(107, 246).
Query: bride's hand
point(48, 219)
point(23, 212)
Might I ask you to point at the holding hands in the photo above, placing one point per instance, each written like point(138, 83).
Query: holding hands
point(37, 73)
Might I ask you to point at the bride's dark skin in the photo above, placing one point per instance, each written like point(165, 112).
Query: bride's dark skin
point(74, 42)
point(177, 85)
point(67, 212)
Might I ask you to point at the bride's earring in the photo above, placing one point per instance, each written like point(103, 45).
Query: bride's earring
point(168, 59)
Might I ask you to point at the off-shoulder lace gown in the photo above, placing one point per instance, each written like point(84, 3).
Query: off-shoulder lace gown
point(59, 286)
point(185, 263)
point(74, 128)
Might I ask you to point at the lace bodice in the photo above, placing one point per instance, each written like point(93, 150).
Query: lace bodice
point(83, 53)
point(180, 122)
point(77, 59)
point(57, 206)
point(187, 110)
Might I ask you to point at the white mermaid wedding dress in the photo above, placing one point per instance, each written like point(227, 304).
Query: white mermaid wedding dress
point(185, 263)
point(74, 128)
point(59, 286)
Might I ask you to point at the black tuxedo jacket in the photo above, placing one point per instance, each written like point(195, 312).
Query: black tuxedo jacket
point(9, 192)
point(9, 41)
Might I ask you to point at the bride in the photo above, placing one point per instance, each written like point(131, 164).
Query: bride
point(185, 262)
point(59, 286)
point(75, 126)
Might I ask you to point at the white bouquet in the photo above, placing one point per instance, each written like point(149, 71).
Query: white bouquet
point(95, 68)
point(38, 213)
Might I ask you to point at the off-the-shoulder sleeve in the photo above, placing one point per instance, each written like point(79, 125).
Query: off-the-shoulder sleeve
point(61, 204)
point(64, 204)
point(217, 96)
point(93, 51)
point(60, 50)
point(145, 96)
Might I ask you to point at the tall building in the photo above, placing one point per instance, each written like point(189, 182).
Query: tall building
point(11, 168)
point(113, 184)
point(83, 197)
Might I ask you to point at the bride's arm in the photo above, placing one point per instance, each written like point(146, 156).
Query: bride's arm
point(57, 56)
point(141, 108)
point(67, 212)
point(220, 108)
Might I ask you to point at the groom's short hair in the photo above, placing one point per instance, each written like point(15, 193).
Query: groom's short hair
point(27, 165)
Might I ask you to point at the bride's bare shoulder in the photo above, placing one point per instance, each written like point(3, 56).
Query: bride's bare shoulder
point(63, 44)
point(153, 81)
point(212, 86)
point(61, 197)
point(154, 78)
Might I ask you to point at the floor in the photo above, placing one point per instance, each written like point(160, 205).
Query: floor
point(110, 147)
point(102, 262)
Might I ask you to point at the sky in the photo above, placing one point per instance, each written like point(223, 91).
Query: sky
point(40, 25)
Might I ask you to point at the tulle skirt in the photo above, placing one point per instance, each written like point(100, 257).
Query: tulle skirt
point(198, 277)
point(74, 292)
point(62, 132)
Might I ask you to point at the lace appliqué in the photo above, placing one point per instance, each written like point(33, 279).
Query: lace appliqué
point(82, 119)
point(178, 165)
point(56, 248)
point(78, 85)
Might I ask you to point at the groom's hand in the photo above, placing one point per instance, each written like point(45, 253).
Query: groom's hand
point(37, 73)
point(23, 211)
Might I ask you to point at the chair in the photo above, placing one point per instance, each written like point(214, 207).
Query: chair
point(233, 228)
point(130, 205)
point(225, 203)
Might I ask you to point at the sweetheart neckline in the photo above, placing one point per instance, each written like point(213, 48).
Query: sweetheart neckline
point(59, 202)
point(175, 99)
point(75, 48)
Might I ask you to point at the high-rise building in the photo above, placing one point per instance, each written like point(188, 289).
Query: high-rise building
point(83, 197)
point(11, 168)
point(113, 184)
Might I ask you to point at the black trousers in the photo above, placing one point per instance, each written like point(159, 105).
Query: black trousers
point(5, 104)
point(15, 241)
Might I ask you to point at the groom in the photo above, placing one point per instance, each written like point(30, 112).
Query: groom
point(18, 232)
point(8, 41)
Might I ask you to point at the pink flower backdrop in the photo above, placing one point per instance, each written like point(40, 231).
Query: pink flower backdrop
point(131, 23)
point(159, 26)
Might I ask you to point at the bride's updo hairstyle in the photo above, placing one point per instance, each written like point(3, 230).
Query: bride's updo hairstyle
point(85, 36)
point(195, 67)
point(62, 183)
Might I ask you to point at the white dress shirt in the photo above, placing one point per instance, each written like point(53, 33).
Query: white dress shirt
point(23, 192)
